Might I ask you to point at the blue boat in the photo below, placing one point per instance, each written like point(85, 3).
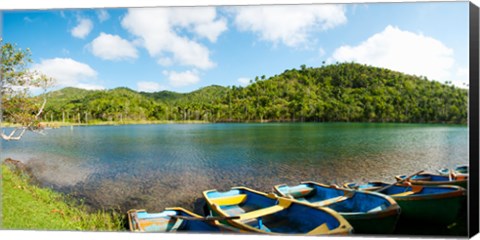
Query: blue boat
point(367, 212)
point(259, 212)
point(431, 179)
point(440, 204)
point(459, 170)
point(174, 220)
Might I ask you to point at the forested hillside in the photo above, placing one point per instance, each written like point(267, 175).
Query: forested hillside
point(339, 92)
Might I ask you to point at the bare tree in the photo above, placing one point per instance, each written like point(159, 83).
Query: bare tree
point(17, 82)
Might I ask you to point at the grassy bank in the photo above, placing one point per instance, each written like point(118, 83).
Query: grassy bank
point(29, 207)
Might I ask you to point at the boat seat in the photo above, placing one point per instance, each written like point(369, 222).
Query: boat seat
point(403, 194)
point(233, 210)
point(256, 223)
point(298, 192)
point(229, 200)
point(460, 177)
point(161, 225)
point(322, 229)
point(375, 209)
point(415, 189)
point(330, 201)
point(261, 212)
point(333, 200)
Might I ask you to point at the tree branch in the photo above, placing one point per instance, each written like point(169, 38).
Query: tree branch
point(12, 136)
point(41, 108)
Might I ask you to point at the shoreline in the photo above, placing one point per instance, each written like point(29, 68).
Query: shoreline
point(26, 205)
point(50, 125)
point(65, 213)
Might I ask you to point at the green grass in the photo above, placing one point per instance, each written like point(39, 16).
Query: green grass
point(29, 207)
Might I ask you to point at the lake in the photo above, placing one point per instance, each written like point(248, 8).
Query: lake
point(157, 166)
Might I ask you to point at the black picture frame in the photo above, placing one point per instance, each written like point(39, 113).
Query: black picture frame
point(473, 189)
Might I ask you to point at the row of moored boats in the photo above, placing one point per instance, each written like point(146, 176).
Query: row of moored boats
point(316, 209)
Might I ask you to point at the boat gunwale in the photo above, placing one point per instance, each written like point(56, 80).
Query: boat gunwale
point(393, 209)
point(459, 192)
point(456, 170)
point(433, 183)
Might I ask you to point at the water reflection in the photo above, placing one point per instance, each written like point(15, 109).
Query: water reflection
point(156, 166)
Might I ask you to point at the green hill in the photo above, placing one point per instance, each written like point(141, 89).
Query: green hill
point(348, 92)
point(76, 105)
point(339, 92)
point(166, 96)
point(203, 94)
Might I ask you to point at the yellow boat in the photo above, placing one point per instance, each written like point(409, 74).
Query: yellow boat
point(266, 213)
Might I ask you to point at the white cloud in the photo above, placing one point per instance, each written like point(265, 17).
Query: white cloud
point(89, 86)
point(461, 77)
point(103, 15)
point(112, 47)
point(202, 21)
point(402, 51)
point(162, 32)
point(243, 81)
point(165, 61)
point(83, 28)
point(27, 20)
point(290, 25)
point(68, 72)
point(462, 71)
point(182, 79)
point(149, 87)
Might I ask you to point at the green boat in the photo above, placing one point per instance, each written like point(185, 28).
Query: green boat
point(431, 179)
point(438, 204)
point(367, 212)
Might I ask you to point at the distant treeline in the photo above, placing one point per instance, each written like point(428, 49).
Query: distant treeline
point(340, 92)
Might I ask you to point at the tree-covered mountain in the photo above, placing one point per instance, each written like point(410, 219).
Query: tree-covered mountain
point(203, 94)
point(339, 92)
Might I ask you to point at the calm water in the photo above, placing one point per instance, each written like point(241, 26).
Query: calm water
point(156, 166)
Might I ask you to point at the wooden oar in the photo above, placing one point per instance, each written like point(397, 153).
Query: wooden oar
point(399, 181)
point(208, 218)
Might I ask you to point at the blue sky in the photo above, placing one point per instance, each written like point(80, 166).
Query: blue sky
point(183, 49)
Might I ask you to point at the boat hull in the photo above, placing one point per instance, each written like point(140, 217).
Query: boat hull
point(263, 213)
point(171, 220)
point(439, 210)
point(428, 179)
point(364, 224)
point(354, 209)
point(438, 204)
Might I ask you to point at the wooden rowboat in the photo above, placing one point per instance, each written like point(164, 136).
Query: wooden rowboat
point(440, 204)
point(367, 212)
point(431, 179)
point(173, 220)
point(459, 170)
point(266, 213)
